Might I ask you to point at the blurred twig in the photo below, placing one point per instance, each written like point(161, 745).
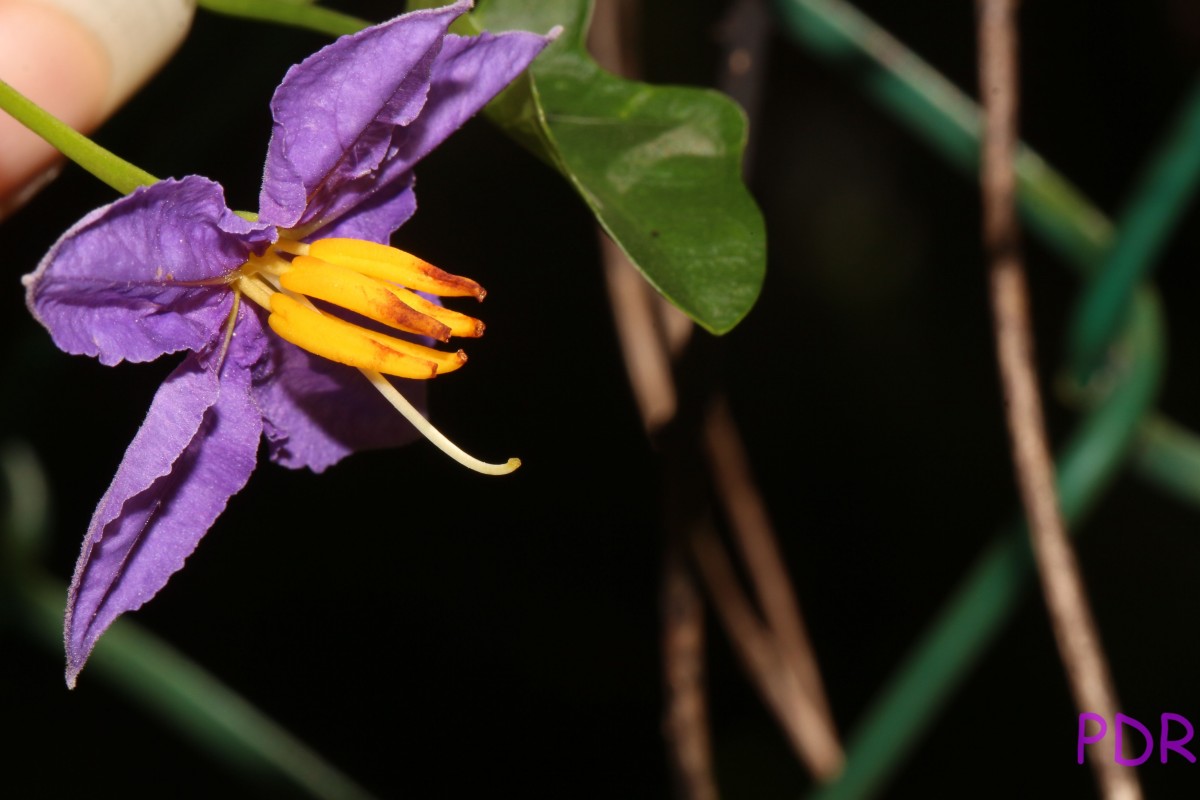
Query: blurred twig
point(1062, 585)
point(188, 698)
point(150, 672)
point(1168, 455)
point(642, 339)
point(798, 692)
point(802, 716)
point(941, 115)
point(777, 656)
point(744, 38)
point(685, 717)
point(988, 594)
point(647, 356)
point(25, 521)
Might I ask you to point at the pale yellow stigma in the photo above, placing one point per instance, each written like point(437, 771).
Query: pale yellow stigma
point(378, 284)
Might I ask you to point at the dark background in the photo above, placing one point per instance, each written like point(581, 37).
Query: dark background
point(438, 633)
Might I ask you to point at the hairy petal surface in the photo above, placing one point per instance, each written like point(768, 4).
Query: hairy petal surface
point(121, 284)
point(377, 216)
point(317, 412)
point(195, 450)
point(467, 74)
point(334, 113)
point(145, 276)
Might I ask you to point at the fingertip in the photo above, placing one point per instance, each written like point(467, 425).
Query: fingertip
point(137, 36)
point(52, 59)
point(80, 60)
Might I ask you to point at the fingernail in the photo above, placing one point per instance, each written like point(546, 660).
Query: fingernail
point(137, 36)
point(50, 58)
point(80, 60)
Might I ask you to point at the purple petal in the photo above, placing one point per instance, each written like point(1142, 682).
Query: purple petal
point(317, 412)
point(467, 74)
point(377, 216)
point(195, 450)
point(335, 111)
point(114, 285)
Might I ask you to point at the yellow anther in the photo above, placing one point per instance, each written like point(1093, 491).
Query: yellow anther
point(459, 324)
point(340, 341)
point(366, 279)
point(355, 292)
point(389, 264)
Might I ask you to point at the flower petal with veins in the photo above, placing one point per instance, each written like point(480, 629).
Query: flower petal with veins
point(195, 450)
point(165, 269)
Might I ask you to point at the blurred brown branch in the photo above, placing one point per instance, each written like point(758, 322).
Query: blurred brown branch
point(776, 653)
point(1066, 599)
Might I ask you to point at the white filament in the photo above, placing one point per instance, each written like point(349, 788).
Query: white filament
point(256, 289)
point(426, 429)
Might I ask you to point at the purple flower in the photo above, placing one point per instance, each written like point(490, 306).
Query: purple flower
point(170, 268)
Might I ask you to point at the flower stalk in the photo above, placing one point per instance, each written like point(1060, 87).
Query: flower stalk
point(105, 165)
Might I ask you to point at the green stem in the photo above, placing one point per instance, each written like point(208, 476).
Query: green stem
point(116, 172)
point(1169, 456)
point(937, 112)
point(1156, 206)
point(198, 705)
point(945, 118)
point(24, 524)
point(153, 674)
point(987, 596)
point(295, 14)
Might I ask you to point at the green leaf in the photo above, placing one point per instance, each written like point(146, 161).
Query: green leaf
point(659, 166)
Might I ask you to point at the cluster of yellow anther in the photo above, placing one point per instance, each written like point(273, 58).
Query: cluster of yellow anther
point(372, 280)
point(377, 283)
